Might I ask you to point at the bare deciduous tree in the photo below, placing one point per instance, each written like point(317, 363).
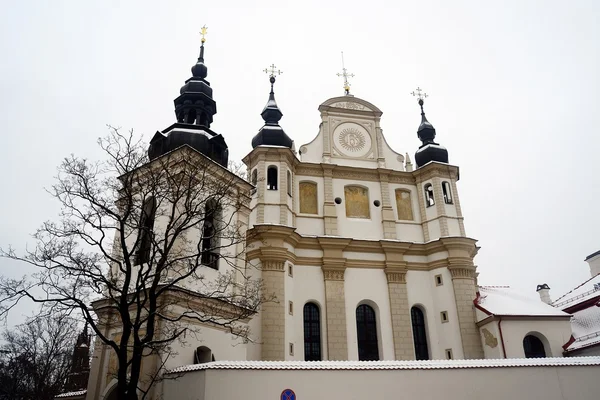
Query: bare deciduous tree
point(36, 358)
point(146, 251)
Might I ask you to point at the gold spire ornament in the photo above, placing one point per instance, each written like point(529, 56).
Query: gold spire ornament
point(345, 75)
point(203, 33)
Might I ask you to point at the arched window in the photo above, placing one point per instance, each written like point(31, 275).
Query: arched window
point(447, 192)
point(254, 178)
point(312, 332)
point(366, 329)
point(404, 205)
point(272, 178)
point(419, 333)
point(203, 355)
point(357, 202)
point(533, 346)
point(289, 183)
point(145, 231)
point(210, 235)
point(308, 198)
point(429, 200)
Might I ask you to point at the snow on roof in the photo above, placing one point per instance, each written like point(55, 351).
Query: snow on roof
point(585, 326)
point(390, 365)
point(583, 292)
point(502, 300)
point(71, 394)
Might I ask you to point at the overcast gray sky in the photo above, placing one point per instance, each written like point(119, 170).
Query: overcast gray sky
point(513, 85)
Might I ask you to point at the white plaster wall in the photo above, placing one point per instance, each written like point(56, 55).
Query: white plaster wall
point(363, 228)
point(500, 383)
point(310, 226)
point(272, 214)
point(368, 286)
point(223, 344)
point(409, 232)
point(290, 322)
point(453, 227)
point(391, 157)
point(557, 333)
point(488, 350)
point(309, 287)
point(433, 299)
point(434, 229)
point(313, 152)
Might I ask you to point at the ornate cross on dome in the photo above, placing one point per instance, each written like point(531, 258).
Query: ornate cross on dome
point(203, 33)
point(419, 93)
point(272, 71)
point(345, 75)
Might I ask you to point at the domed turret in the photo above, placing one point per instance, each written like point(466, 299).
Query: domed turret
point(271, 134)
point(429, 150)
point(194, 109)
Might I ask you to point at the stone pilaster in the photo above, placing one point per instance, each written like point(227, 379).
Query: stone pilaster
point(456, 200)
point(395, 272)
point(388, 218)
point(329, 211)
point(422, 211)
point(283, 196)
point(401, 324)
point(273, 312)
point(460, 263)
point(260, 190)
point(335, 306)
point(334, 268)
point(440, 206)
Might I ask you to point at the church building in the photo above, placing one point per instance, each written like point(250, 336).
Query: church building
point(366, 251)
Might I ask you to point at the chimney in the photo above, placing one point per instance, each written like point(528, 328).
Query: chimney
point(544, 292)
point(594, 261)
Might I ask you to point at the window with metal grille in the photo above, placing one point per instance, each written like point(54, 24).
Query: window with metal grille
point(366, 328)
point(312, 332)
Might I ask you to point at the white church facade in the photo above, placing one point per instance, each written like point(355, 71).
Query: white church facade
point(367, 256)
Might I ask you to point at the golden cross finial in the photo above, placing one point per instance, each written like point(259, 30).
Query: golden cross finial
point(203, 33)
point(272, 71)
point(346, 75)
point(420, 94)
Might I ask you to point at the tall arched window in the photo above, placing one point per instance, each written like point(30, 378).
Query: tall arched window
point(533, 346)
point(272, 178)
point(429, 199)
point(312, 332)
point(210, 235)
point(447, 192)
point(366, 329)
point(419, 333)
point(289, 183)
point(145, 231)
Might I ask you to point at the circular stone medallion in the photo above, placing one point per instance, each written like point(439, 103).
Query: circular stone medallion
point(352, 140)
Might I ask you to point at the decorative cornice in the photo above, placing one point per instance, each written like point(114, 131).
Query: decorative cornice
point(436, 169)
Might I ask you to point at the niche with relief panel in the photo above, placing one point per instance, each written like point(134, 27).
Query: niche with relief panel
point(357, 202)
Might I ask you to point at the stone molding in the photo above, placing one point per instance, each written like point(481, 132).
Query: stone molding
point(270, 265)
point(333, 274)
point(462, 273)
point(396, 277)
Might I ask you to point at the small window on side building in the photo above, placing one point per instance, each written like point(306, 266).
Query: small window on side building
point(438, 280)
point(289, 183)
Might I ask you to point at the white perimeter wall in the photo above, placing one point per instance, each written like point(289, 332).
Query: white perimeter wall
point(501, 383)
